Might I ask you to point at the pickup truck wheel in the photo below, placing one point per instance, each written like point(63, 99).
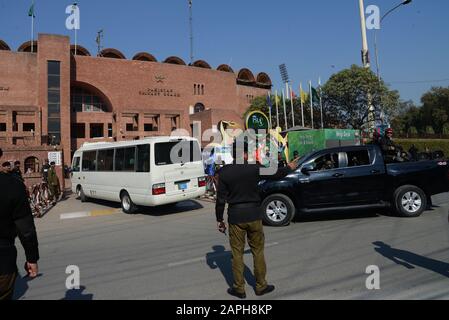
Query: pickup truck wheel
point(128, 205)
point(410, 201)
point(278, 210)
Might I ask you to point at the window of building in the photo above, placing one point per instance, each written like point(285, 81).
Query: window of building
point(105, 160)
point(194, 89)
point(2, 127)
point(78, 131)
point(96, 130)
point(54, 102)
point(83, 100)
point(198, 89)
point(148, 127)
point(89, 161)
point(110, 130)
point(199, 107)
point(31, 165)
point(130, 127)
point(28, 127)
point(202, 89)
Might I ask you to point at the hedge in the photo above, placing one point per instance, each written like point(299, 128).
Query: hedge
point(421, 144)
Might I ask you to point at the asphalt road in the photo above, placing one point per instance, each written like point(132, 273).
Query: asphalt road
point(175, 252)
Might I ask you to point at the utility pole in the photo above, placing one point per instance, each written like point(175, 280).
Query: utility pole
point(366, 64)
point(365, 52)
point(191, 31)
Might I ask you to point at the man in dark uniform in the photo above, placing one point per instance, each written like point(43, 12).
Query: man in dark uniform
point(44, 171)
point(53, 184)
point(16, 172)
point(16, 219)
point(389, 148)
point(238, 187)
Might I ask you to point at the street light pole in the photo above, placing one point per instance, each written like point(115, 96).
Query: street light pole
point(365, 52)
point(376, 51)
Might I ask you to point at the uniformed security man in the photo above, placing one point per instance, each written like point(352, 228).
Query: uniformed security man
point(53, 183)
point(16, 219)
point(238, 187)
point(390, 150)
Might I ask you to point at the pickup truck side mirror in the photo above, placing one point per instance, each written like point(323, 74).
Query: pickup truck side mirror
point(307, 168)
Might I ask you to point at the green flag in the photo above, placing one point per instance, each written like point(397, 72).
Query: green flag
point(315, 97)
point(31, 11)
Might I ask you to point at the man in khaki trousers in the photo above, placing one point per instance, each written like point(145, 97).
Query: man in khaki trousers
point(238, 187)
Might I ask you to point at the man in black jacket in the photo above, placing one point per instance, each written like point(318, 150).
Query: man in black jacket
point(16, 219)
point(238, 187)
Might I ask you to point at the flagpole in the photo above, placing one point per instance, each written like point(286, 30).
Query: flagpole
point(291, 100)
point(321, 103)
point(32, 27)
point(285, 110)
point(302, 104)
point(269, 108)
point(311, 103)
point(277, 108)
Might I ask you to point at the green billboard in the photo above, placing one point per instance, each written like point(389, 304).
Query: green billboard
point(308, 141)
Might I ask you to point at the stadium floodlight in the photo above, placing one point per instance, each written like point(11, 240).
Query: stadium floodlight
point(284, 73)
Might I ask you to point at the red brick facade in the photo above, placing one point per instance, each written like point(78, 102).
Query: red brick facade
point(111, 98)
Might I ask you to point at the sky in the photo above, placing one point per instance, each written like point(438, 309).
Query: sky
point(313, 38)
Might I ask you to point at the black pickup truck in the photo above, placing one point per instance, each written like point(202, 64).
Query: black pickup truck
point(357, 177)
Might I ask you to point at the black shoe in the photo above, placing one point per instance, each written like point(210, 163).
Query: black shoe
point(234, 293)
point(265, 291)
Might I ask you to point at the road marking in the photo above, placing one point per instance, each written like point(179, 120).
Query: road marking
point(203, 259)
point(84, 214)
point(74, 215)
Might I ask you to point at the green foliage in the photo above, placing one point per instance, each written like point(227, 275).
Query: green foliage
point(429, 130)
point(413, 131)
point(446, 129)
point(422, 144)
point(348, 94)
point(434, 112)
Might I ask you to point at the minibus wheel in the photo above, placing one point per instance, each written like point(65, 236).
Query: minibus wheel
point(80, 194)
point(128, 205)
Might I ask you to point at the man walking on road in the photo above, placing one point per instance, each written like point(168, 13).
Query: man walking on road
point(238, 187)
point(16, 219)
point(53, 184)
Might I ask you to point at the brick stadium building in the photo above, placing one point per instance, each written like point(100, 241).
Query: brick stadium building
point(52, 99)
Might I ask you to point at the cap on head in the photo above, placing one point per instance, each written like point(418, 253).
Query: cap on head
point(17, 163)
point(52, 163)
point(389, 131)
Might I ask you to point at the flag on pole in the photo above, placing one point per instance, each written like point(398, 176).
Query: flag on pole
point(277, 101)
point(292, 98)
point(311, 103)
point(31, 11)
point(285, 109)
point(321, 102)
point(302, 95)
point(315, 95)
point(270, 106)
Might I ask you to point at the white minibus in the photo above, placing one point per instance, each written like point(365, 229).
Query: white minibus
point(148, 172)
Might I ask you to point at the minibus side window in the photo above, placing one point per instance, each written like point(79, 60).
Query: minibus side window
point(89, 160)
point(119, 159)
point(130, 159)
point(76, 164)
point(105, 160)
point(143, 158)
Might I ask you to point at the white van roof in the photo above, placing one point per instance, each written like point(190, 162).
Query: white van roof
point(106, 145)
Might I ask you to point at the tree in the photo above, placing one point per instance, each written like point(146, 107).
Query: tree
point(348, 93)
